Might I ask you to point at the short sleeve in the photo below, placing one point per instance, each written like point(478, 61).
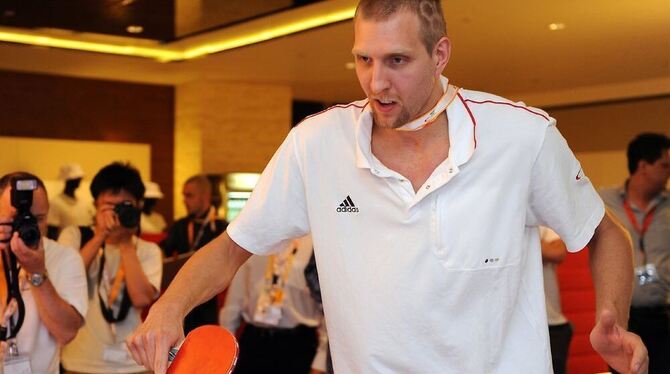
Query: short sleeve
point(276, 212)
point(561, 195)
point(68, 275)
point(71, 237)
point(151, 261)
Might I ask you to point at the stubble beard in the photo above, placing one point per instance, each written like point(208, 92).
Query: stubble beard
point(401, 120)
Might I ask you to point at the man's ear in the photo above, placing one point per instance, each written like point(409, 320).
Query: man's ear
point(441, 54)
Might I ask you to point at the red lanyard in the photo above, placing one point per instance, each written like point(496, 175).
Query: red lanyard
point(645, 222)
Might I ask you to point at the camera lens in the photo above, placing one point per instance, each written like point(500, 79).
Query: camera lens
point(129, 215)
point(29, 232)
point(30, 235)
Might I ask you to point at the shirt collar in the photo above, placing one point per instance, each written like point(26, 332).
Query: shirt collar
point(461, 132)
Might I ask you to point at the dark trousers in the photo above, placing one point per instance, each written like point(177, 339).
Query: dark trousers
point(203, 314)
point(274, 350)
point(559, 338)
point(653, 326)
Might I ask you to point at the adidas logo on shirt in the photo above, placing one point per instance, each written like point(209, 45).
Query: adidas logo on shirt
point(347, 206)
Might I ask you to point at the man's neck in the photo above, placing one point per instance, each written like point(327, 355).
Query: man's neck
point(201, 215)
point(413, 154)
point(118, 239)
point(639, 193)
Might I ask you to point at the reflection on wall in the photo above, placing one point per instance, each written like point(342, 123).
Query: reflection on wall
point(43, 157)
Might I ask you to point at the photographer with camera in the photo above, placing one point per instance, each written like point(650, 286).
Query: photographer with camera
point(124, 273)
point(42, 286)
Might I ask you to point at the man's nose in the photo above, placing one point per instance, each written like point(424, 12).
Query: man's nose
point(379, 81)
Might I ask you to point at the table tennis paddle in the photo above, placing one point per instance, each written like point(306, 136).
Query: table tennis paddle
point(207, 349)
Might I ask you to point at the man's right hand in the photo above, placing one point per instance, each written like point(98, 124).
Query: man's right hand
point(151, 342)
point(106, 221)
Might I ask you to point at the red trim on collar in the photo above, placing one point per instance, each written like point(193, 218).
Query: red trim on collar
point(508, 104)
point(472, 117)
point(340, 106)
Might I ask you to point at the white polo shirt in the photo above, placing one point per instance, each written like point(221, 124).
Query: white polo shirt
point(444, 280)
point(66, 272)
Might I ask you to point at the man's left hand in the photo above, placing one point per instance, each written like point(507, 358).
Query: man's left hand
point(621, 349)
point(30, 259)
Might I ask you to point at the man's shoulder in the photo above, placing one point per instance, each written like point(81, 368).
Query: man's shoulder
point(342, 114)
point(486, 103)
point(147, 248)
point(611, 195)
point(57, 254)
point(179, 224)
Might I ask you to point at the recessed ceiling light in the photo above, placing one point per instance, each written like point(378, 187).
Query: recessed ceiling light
point(556, 26)
point(127, 2)
point(134, 29)
point(350, 65)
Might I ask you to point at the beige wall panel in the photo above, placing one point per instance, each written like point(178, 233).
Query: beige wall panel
point(227, 127)
point(43, 157)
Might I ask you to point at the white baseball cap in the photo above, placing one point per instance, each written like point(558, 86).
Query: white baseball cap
point(71, 171)
point(152, 191)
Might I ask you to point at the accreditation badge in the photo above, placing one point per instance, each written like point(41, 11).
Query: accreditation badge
point(17, 365)
point(267, 312)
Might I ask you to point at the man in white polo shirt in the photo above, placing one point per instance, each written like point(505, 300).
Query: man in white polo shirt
point(423, 202)
point(51, 283)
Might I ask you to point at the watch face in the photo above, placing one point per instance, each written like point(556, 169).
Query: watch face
point(36, 279)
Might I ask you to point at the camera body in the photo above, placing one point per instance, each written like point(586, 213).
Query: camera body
point(25, 222)
point(129, 215)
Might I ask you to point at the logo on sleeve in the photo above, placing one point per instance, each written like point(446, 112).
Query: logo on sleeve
point(347, 206)
point(580, 175)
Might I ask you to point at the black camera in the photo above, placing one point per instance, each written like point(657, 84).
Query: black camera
point(129, 215)
point(25, 222)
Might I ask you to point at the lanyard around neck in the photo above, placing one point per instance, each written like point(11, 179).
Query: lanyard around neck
point(646, 222)
point(107, 311)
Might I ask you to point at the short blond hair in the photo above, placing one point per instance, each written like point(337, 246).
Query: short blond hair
point(431, 17)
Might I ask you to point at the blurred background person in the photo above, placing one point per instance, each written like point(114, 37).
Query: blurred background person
point(642, 205)
point(560, 330)
point(271, 296)
point(151, 221)
point(124, 273)
point(190, 233)
point(66, 209)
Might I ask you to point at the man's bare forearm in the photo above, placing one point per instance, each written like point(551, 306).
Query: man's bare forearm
point(205, 274)
point(611, 263)
point(60, 318)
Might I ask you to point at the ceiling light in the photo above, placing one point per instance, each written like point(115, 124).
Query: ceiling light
point(350, 65)
point(135, 29)
point(127, 50)
point(197, 46)
point(269, 33)
point(127, 2)
point(556, 26)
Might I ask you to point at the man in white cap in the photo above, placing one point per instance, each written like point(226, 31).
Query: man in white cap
point(152, 222)
point(66, 208)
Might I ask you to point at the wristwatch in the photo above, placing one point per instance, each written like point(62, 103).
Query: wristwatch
point(36, 279)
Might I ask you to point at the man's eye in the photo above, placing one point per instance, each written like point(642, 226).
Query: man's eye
point(397, 60)
point(363, 58)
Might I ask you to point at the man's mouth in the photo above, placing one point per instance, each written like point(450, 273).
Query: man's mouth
point(384, 104)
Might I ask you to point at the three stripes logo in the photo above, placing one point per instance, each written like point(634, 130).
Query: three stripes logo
point(347, 206)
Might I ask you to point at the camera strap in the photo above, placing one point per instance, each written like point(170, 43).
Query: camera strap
point(11, 270)
point(106, 308)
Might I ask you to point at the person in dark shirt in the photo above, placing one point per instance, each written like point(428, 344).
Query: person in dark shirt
point(190, 233)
